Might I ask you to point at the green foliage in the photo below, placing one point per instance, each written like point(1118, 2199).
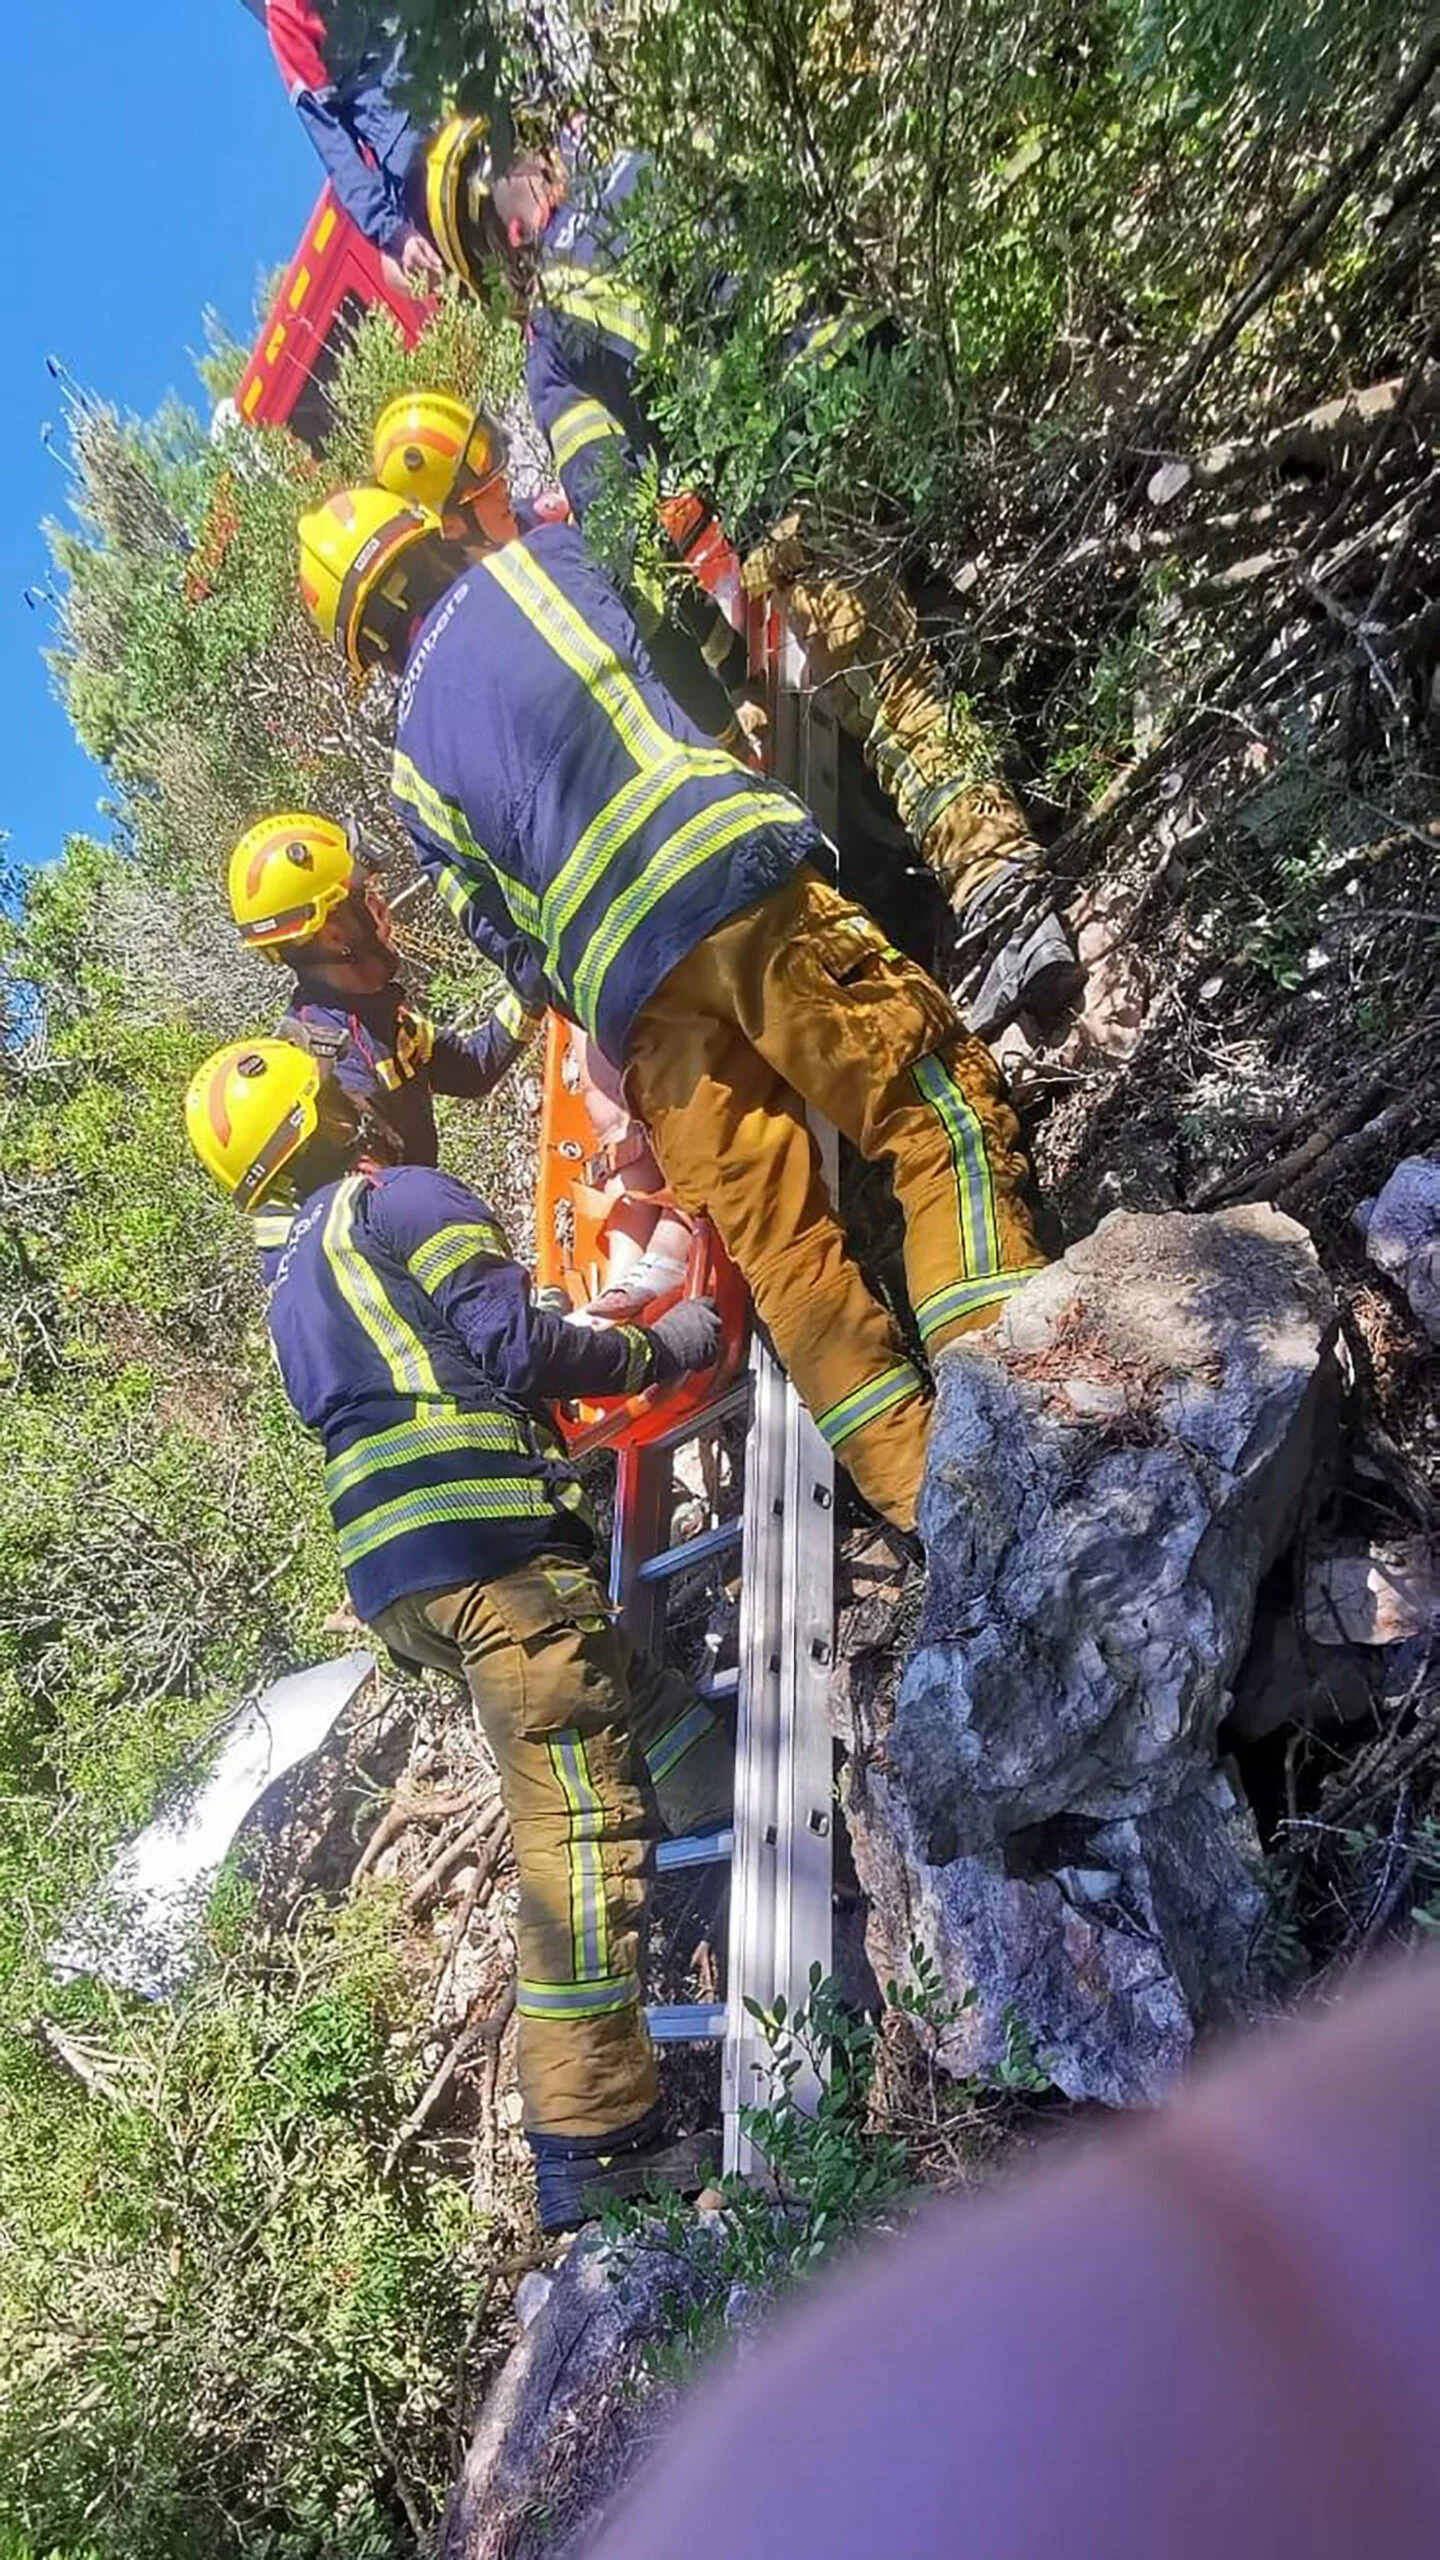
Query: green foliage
point(185, 656)
point(223, 2328)
point(1010, 190)
point(834, 2159)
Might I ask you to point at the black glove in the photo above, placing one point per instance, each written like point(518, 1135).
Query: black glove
point(689, 1336)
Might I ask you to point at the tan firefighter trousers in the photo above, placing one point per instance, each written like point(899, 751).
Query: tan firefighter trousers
point(863, 641)
point(578, 1721)
point(799, 1000)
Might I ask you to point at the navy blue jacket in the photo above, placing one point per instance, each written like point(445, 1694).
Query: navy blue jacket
point(554, 790)
point(382, 1046)
point(370, 148)
point(408, 1340)
point(590, 333)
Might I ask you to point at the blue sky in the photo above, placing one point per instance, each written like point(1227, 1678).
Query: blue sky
point(154, 168)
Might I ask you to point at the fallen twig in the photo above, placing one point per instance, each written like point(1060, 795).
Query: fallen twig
point(1347, 1151)
point(484, 2031)
point(476, 1835)
point(405, 1810)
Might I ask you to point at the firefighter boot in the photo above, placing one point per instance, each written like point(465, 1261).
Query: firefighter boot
point(577, 2176)
point(1035, 969)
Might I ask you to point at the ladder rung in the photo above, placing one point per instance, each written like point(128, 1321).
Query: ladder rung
point(734, 1400)
point(673, 1560)
point(701, 1849)
point(684, 2022)
point(721, 1684)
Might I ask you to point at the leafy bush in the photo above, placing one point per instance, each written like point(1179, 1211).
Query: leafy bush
point(223, 2329)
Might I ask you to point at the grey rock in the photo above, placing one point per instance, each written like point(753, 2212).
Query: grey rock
point(1402, 1236)
point(564, 2422)
point(1093, 1571)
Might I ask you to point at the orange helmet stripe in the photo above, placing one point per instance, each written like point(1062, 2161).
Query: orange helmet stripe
point(261, 855)
point(428, 438)
point(216, 1108)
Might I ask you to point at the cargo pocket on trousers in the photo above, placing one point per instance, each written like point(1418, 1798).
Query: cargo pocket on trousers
point(570, 1657)
point(854, 955)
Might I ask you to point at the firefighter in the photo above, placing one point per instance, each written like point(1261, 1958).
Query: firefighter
point(300, 893)
point(344, 92)
point(431, 448)
point(407, 1339)
point(559, 232)
point(676, 903)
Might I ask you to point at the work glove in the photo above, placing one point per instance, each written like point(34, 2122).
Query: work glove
point(688, 1336)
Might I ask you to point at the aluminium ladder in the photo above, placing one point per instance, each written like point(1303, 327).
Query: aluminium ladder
point(779, 1844)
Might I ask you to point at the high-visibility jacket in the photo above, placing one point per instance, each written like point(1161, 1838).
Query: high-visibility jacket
point(590, 332)
point(408, 1340)
point(345, 99)
point(552, 788)
point(381, 1045)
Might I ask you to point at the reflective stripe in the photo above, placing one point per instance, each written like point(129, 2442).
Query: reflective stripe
point(586, 422)
point(497, 1498)
point(444, 819)
point(511, 1015)
point(589, 1919)
point(701, 837)
point(963, 1297)
point(400, 1347)
point(450, 1247)
point(597, 303)
point(679, 1738)
point(624, 814)
point(271, 1228)
point(455, 892)
point(427, 1436)
point(577, 1999)
point(932, 803)
point(892, 1387)
point(555, 620)
point(642, 1355)
point(979, 1234)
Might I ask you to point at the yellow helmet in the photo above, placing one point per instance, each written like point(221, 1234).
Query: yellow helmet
point(431, 448)
point(350, 555)
point(459, 172)
point(249, 1110)
point(286, 876)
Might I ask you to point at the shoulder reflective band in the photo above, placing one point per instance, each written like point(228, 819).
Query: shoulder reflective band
point(406, 1359)
point(450, 1248)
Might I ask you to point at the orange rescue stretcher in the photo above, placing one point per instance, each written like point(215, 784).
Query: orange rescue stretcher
point(569, 1255)
point(569, 1251)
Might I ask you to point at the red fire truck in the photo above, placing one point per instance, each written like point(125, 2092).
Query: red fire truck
point(334, 277)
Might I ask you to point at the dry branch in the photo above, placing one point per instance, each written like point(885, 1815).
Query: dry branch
point(478, 1834)
point(484, 2031)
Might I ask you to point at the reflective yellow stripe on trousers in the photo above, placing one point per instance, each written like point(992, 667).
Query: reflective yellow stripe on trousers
point(589, 1919)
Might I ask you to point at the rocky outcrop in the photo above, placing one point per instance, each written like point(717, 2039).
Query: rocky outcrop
point(565, 2421)
point(1402, 1236)
point(1114, 1467)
